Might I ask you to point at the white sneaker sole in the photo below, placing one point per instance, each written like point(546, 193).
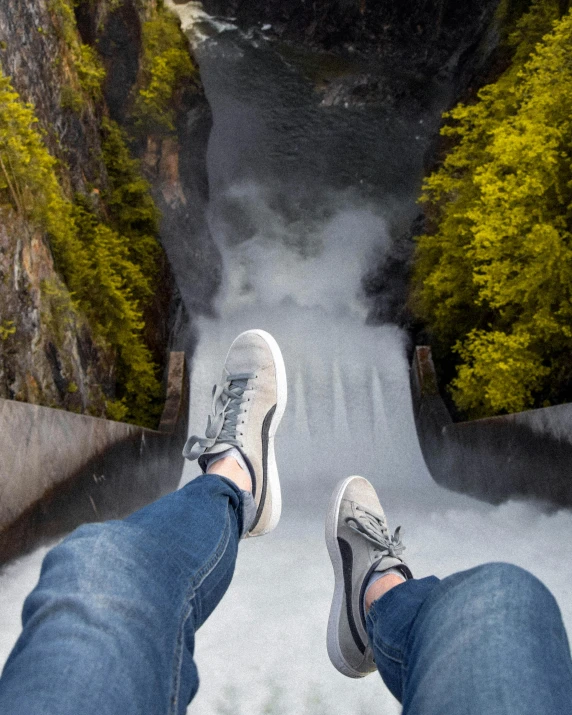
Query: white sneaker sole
point(273, 481)
point(333, 639)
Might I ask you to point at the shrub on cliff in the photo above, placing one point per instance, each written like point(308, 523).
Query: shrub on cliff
point(166, 69)
point(129, 201)
point(109, 269)
point(116, 287)
point(493, 279)
point(28, 177)
point(85, 60)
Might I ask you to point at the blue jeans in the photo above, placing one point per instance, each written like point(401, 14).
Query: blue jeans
point(487, 641)
point(110, 628)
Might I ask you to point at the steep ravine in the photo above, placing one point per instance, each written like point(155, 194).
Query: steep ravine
point(382, 73)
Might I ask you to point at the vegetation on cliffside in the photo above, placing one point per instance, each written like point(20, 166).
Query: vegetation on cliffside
point(89, 70)
point(99, 218)
point(493, 274)
point(166, 70)
point(109, 265)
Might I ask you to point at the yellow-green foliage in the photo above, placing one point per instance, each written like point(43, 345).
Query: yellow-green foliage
point(129, 201)
point(104, 269)
point(90, 71)
point(114, 290)
point(494, 279)
point(28, 178)
point(22, 158)
point(166, 68)
point(7, 328)
point(58, 310)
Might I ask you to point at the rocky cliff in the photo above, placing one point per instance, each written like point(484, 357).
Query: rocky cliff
point(425, 36)
point(47, 352)
point(78, 64)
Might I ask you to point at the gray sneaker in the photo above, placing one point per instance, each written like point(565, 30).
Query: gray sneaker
point(359, 543)
point(248, 405)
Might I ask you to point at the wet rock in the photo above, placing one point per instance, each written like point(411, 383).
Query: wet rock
point(413, 33)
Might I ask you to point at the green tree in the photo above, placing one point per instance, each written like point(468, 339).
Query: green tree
point(132, 209)
point(112, 299)
point(84, 59)
point(493, 279)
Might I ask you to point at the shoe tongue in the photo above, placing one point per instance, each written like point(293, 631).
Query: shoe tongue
point(388, 562)
point(217, 448)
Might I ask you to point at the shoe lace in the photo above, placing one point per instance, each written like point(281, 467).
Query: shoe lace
point(375, 530)
point(222, 423)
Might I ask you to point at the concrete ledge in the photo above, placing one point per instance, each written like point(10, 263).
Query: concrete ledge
point(59, 469)
point(494, 459)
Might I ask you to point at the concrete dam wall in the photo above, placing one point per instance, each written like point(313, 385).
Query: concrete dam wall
point(59, 469)
point(493, 459)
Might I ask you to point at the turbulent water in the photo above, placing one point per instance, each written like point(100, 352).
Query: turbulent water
point(306, 195)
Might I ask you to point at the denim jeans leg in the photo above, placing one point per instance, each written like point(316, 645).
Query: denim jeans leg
point(110, 627)
point(487, 640)
point(389, 622)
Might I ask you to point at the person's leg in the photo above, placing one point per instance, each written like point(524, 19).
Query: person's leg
point(110, 627)
point(487, 640)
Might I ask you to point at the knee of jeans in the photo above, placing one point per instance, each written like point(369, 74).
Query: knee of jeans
point(93, 540)
point(512, 586)
point(88, 562)
point(93, 553)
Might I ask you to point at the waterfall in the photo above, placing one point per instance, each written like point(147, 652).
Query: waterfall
point(302, 284)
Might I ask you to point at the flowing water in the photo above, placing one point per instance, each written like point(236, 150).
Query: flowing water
point(306, 195)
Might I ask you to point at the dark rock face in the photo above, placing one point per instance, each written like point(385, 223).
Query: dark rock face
point(44, 348)
point(47, 352)
point(177, 170)
point(386, 286)
point(38, 62)
point(50, 358)
point(119, 45)
point(417, 33)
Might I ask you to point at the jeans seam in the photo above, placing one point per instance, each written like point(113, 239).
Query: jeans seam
point(395, 654)
point(194, 584)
